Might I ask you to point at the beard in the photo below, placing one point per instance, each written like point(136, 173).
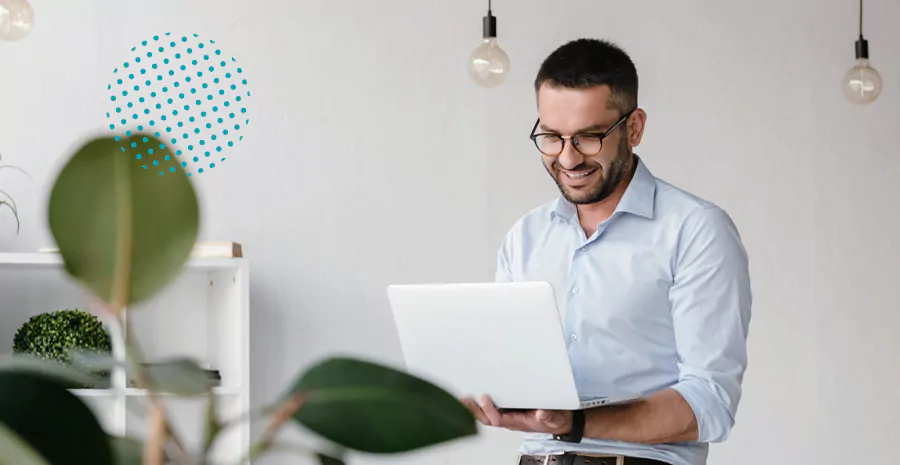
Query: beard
point(610, 179)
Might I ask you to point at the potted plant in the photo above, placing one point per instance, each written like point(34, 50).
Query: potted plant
point(54, 336)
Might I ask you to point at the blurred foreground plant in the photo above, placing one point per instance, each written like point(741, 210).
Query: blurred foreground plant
point(124, 233)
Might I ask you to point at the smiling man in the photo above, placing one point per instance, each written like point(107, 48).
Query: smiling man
point(652, 281)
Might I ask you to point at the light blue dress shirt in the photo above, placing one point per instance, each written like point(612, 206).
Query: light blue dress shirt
point(658, 297)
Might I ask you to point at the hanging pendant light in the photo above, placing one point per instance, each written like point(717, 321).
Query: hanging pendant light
point(16, 19)
point(862, 83)
point(489, 64)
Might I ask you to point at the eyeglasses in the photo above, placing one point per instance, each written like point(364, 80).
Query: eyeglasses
point(586, 143)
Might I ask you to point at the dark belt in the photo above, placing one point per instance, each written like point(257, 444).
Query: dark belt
point(578, 459)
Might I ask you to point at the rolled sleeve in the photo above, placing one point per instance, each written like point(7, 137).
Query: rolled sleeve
point(711, 301)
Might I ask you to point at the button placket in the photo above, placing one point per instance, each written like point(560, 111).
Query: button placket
point(576, 258)
point(573, 337)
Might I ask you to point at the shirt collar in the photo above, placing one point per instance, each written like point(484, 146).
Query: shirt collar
point(638, 198)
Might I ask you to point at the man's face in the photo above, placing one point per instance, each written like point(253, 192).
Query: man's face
point(585, 179)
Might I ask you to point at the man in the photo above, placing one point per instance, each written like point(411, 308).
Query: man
point(652, 281)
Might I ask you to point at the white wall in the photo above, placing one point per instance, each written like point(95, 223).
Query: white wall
point(372, 159)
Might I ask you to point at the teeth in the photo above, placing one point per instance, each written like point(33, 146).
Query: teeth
point(579, 175)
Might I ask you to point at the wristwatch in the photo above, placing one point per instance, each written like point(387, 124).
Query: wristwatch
point(577, 431)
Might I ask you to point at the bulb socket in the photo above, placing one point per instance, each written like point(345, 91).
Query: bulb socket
point(489, 26)
point(862, 48)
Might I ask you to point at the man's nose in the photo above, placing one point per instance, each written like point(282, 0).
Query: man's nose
point(570, 158)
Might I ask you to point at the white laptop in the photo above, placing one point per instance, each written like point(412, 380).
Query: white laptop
point(504, 340)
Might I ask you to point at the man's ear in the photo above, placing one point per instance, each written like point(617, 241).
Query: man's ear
point(636, 124)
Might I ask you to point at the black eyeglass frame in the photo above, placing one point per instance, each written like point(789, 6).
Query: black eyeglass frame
point(599, 135)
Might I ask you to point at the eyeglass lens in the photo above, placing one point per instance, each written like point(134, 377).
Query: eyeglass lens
point(551, 144)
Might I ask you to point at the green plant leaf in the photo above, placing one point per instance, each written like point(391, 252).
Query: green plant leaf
point(16, 451)
point(93, 360)
point(329, 460)
point(368, 407)
point(64, 374)
point(178, 376)
point(54, 422)
point(122, 231)
point(127, 451)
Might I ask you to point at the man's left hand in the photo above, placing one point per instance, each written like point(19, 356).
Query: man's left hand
point(529, 421)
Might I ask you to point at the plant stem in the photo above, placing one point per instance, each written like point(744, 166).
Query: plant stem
point(213, 425)
point(133, 352)
point(154, 452)
point(121, 291)
point(250, 415)
point(216, 428)
point(285, 411)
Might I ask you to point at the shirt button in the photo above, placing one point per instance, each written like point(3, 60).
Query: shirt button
point(573, 336)
point(583, 249)
point(574, 290)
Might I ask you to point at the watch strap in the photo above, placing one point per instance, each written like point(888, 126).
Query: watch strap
point(576, 434)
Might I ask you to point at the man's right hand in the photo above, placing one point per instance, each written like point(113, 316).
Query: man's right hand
point(530, 421)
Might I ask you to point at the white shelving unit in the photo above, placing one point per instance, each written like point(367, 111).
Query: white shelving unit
point(203, 314)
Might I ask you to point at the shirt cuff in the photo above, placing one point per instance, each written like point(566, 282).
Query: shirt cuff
point(714, 418)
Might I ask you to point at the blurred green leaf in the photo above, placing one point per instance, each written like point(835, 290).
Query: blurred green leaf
point(178, 376)
point(16, 451)
point(64, 374)
point(123, 231)
point(127, 451)
point(329, 460)
point(372, 408)
point(92, 360)
point(54, 422)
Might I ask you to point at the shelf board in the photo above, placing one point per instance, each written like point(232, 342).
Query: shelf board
point(93, 392)
point(134, 392)
point(54, 260)
point(217, 391)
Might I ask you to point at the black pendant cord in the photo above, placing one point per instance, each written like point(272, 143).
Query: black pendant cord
point(862, 45)
point(860, 16)
point(489, 9)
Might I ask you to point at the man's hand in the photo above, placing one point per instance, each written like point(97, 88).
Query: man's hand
point(529, 421)
point(659, 418)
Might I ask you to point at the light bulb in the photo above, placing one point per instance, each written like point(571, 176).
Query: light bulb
point(862, 83)
point(488, 63)
point(16, 19)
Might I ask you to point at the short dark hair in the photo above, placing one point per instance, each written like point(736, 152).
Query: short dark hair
point(585, 63)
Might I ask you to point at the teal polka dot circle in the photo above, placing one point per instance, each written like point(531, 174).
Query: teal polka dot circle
point(184, 91)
